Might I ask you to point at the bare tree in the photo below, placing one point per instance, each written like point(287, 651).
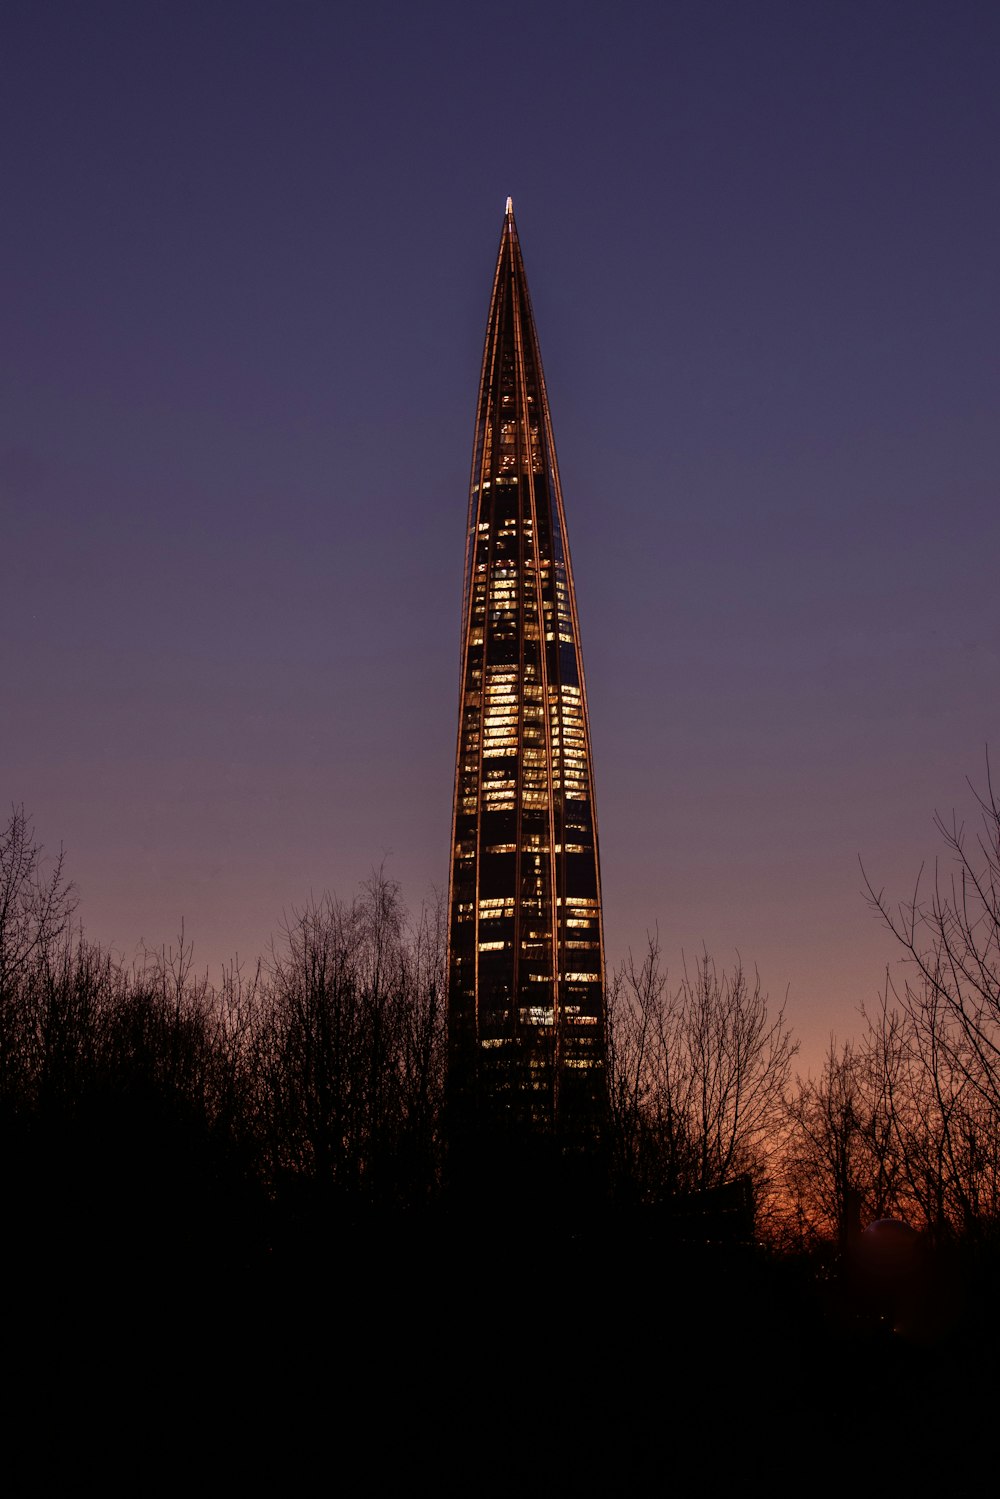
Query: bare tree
point(945, 1018)
point(697, 1076)
point(945, 1136)
point(36, 902)
point(951, 936)
point(843, 1162)
point(348, 1046)
point(36, 905)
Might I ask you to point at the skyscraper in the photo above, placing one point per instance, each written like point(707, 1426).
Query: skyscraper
point(526, 960)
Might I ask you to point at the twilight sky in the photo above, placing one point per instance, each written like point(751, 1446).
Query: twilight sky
point(246, 262)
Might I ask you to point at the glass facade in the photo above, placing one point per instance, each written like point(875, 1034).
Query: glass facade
point(526, 960)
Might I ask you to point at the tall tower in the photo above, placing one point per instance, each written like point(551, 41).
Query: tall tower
point(526, 957)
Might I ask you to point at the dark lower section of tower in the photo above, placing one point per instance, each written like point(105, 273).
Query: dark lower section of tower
point(523, 1131)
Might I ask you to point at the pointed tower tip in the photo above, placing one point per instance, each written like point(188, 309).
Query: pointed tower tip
point(510, 208)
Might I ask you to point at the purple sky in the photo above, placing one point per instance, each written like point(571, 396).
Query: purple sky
point(246, 262)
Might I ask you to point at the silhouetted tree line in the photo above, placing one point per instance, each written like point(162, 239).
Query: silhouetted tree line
point(140, 1102)
point(904, 1121)
point(141, 1105)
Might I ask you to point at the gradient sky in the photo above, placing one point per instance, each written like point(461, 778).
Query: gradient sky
point(246, 261)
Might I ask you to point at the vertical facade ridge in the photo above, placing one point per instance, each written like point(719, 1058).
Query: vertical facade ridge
point(526, 958)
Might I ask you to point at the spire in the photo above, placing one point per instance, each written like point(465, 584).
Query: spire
point(526, 971)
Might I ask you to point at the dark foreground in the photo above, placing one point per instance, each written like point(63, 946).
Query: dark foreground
point(472, 1350)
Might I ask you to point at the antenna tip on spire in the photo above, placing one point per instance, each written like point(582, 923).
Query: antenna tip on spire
point(510, 208)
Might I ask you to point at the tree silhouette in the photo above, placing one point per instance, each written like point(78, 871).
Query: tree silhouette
point(939, 1031)
point(698, 1077)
